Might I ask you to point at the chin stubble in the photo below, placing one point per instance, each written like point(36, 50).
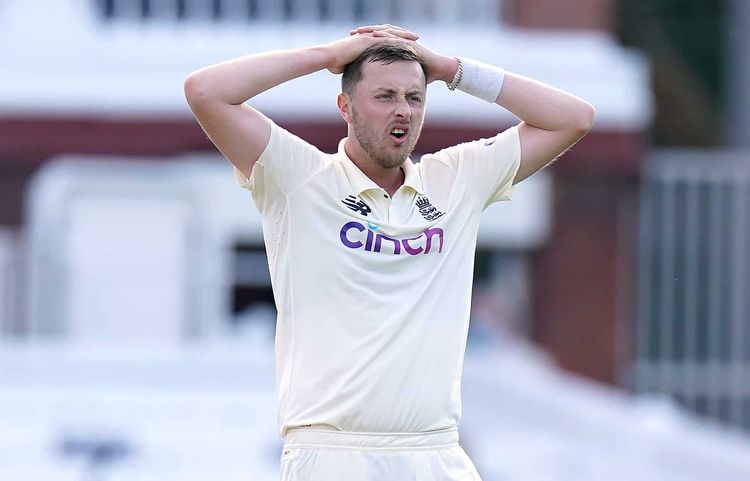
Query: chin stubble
point(377, 153)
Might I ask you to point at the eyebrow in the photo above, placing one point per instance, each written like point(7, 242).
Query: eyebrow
point(392, 91)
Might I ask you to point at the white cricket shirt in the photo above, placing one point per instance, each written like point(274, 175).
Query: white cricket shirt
point(373, 292)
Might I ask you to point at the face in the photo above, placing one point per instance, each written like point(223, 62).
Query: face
point(386, 111)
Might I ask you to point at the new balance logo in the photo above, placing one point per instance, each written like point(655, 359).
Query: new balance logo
point(428, 211)
point(357, 205)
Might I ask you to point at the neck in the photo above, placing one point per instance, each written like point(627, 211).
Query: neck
point(389, 178)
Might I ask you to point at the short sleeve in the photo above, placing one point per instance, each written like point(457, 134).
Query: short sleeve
point(488, 166)
point(285, 164)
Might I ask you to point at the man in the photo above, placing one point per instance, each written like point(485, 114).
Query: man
point(371, 255)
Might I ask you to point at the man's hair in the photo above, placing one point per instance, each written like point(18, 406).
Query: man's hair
point(385, 53)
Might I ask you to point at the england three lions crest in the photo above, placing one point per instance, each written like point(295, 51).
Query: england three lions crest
point(428, 211)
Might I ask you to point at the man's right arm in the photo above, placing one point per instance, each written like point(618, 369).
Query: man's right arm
point(217, 94)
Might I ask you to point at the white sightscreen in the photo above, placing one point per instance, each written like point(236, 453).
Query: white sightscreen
point(126, 265)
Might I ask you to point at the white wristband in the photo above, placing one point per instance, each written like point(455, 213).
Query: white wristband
point(480, 80)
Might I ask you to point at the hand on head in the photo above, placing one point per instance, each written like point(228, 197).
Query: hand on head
point(346, 50)
point(436, 63)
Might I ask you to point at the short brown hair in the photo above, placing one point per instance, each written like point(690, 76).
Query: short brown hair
point(385, 53)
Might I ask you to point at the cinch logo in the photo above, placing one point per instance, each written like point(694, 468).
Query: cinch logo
point(356, 236)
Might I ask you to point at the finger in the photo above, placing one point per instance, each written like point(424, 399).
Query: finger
point(405, 34)
point(383, 33)
point(400, 31)
point(363, 30)
point(387, 26)
point(367, 28)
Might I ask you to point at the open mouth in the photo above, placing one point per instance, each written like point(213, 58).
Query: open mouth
point(398, 133)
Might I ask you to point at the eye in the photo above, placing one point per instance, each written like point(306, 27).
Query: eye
point(416, 98)
point(383, 96)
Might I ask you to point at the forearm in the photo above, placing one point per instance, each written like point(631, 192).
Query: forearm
point(237, 80)
point(543, 106)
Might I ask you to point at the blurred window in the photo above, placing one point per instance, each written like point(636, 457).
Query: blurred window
point(346, 11)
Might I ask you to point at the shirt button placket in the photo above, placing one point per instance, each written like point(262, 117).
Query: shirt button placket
point(392, 214)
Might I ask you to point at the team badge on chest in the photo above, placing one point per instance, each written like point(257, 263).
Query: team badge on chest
point(428, 211)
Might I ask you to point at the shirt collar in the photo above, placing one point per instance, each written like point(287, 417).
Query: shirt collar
point(361, 182)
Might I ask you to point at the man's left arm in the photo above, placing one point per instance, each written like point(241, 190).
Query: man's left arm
point(552, 120)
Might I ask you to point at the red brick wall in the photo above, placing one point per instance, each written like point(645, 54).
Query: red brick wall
point(557, 14)
point(578, 276)
point(584, 278)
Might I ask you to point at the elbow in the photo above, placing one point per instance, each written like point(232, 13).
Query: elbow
point(584, 119)
point(195, 89)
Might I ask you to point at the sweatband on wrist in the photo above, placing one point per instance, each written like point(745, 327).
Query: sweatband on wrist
point(479, 79)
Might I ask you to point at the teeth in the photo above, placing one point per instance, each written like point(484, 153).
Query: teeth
point(398, 131)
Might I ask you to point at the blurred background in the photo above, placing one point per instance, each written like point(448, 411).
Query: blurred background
point(610, 330)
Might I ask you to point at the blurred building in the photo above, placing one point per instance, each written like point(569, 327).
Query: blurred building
point(104, 78)
point(693, 318)
point(101, 82)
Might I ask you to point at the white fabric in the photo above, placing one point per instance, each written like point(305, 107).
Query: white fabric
point(481, 80)
point(326, 437)
point(315, 455)
point(373, 303)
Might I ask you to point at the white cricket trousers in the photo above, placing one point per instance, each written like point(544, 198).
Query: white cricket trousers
point(312, 454)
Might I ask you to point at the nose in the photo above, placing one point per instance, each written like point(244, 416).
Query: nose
point(403, 110)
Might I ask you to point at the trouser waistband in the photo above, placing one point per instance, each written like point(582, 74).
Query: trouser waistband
point(313, 437)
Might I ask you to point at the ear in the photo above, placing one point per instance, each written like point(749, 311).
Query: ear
point(343, 102)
